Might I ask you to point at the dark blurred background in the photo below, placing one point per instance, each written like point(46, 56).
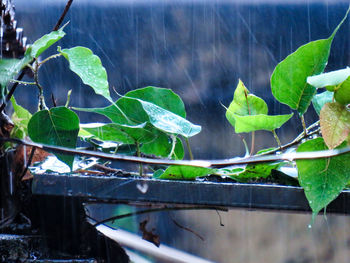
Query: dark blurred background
point(200, 49)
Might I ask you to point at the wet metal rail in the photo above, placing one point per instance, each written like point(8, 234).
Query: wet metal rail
point(230, 195)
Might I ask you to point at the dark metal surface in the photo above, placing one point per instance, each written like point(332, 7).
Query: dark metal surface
point(234, 195)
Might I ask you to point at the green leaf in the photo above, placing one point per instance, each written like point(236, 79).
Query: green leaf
point(335, 124)
point(183, 172)
point(288, 81)
point(321, 99)
point(251, 171)
point(89, 68)
point(245, 104)
point(162, 146)
point(115, 115)
point(332, 78)
point(46, 41)
point(9, 68)
point(164, 98)
point(322, 179)
point(119, 133)
point(20, 118)
point(248, 113)
point(58, 126)
point(342, 92)
point(259, 122)
point(169, 122)
point(151, 110)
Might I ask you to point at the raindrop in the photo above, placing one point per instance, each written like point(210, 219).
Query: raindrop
point(309, 226)
point(143, 188)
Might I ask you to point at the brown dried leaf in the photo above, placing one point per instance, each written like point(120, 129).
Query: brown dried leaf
point(149, 235)
point(335, 124)
point(19, 164)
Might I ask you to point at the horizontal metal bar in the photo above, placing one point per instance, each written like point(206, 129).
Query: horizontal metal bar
point(234, 195)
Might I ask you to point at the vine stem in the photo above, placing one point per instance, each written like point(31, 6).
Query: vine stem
point(48, 58)
point(277, 139)
point(252, 146)
point(173, 145)
point(304, 125)
point(197, 163)
point(42, 104)
point(22, 82)
point(138, 152)
point(189, 148)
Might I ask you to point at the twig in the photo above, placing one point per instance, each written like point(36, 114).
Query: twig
point(221, 224)
point(187, 229)
point(28, 163)
point(60, 20)
point(152, 210)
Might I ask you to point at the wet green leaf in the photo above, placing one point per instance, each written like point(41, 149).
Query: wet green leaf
point(164, 98)
point(182, 172)
point(162, 145)
point(46, 41)
point(9, 68)
point(288, 81)
point(130, 107)
point(322, 179)
point(259, 122)
point(161, 107)
point(342, 92)
point(58, 126)
point(169, 122)
point(321, 99)
point(328, 79)
point(335, 124)
point(250, 171)
point(244, 104)
point(248, 113)
point(89, 68)
point(20, 118)
point(119, 133)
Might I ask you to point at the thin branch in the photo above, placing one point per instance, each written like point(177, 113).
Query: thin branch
point(221, 224)
point(162, 209)
point(28, 163)
point(187, 229)
point(49, 58)
point(65, 11)
point(22, 82)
